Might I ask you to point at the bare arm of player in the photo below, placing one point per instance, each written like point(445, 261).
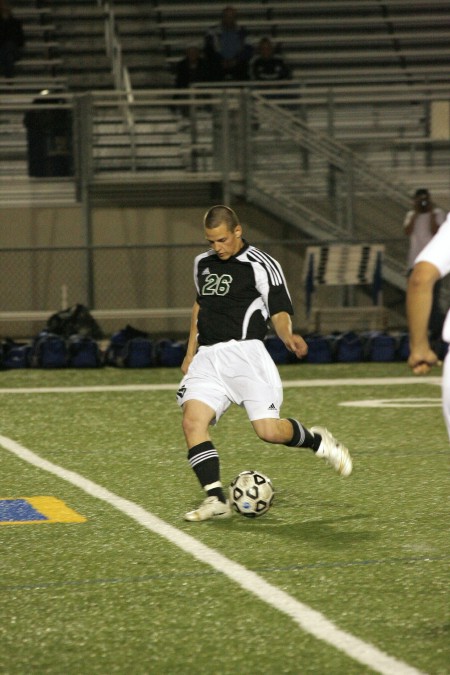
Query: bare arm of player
point(283, 327)
point(192, 342)
point(419, 300)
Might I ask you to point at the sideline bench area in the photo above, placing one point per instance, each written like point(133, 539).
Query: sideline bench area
point(347, 265)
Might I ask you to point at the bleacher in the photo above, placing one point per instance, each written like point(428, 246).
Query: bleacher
point(37, 67)
point(82, 29)
point(356, 58)
point(362, 58)
point(330, 41)
point(36, 70)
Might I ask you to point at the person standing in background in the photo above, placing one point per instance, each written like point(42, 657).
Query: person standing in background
point(226, 49)
point(12, 40)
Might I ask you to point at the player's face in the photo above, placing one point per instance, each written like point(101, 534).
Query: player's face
point(223, 241)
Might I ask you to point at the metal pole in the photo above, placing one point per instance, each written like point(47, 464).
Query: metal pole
point(350, 290)
point(247, 146)
point(226, 193)
point(85, 117)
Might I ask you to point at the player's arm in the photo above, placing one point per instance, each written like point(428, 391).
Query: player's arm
point(192, 342)
point(419, 299)
point(282, 324)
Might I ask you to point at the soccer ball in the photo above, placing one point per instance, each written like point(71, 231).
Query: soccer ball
point(251, 494)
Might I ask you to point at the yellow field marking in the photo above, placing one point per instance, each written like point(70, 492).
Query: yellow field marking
point(54, 511)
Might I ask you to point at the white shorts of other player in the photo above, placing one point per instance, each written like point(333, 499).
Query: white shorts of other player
point(446, 392)
point(240, 372)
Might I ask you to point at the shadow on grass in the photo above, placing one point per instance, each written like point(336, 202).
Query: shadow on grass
point(326, 532)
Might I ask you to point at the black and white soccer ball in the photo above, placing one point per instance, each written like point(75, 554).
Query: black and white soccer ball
point(251, 494)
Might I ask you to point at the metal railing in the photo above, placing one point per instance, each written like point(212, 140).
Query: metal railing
point(120, 72)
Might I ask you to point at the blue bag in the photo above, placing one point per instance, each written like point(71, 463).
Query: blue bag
point(120, 353)
point(380, 347)
point(84, 352)
point(169, 353)
point(403, 347)
point(320, 349)
point(277, 350)
point(15, 354)
point(138, 353)
point(349, 347)
point(49, 351)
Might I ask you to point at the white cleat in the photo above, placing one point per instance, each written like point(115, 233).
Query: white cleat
point(334, 452)
point(211, 508)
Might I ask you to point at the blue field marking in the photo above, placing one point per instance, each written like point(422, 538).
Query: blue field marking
point(35, 510)
point(19, 510)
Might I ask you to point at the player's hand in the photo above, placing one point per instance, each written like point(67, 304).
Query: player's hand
point(295, 343)
point(421, 362)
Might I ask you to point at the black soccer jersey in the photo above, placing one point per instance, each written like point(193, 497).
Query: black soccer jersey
point(238, 296)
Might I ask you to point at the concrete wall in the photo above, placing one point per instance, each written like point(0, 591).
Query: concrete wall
point(140, 277)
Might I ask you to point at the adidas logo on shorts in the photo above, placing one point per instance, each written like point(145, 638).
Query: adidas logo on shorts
point(272, 407)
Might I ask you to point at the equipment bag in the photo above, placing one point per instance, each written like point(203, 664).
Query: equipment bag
point(320, 349)
point(49, 351)
point(14, 354)
point(169, 353)
point(84, 352)
point(75, 320)
point(130, 348)
point(277, 349)
point(349, 347)
point(380, 347)
point(138, 353)
point(403, 347)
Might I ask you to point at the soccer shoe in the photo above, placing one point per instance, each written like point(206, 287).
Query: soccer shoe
point(211, 508)
point(334, 452)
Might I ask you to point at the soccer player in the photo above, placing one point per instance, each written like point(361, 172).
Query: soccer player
point(421, 224)
point(432, 263)
point(239, 288)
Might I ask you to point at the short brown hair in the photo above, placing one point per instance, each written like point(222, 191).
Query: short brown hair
point(218, 215)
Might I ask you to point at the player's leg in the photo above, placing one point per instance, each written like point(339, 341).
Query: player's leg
point(203, 400)
point(204, 460)
point(292, 433)
point(255, 384)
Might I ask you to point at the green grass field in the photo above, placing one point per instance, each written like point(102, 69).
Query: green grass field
point(370, 553)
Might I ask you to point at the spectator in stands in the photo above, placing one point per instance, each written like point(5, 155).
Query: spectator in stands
point(226, 49)
point(188, 70)
point(12, 40)
point(191, 68)
point(421, 224)
point(266, 65)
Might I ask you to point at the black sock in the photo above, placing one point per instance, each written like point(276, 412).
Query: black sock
point(302, 437)
point(204, 461)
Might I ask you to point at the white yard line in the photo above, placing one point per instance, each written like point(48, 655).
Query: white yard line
point(304, 616)
point(343, 382)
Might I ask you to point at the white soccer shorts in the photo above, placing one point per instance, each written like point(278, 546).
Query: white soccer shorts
point(240, 372)
point(446, 392)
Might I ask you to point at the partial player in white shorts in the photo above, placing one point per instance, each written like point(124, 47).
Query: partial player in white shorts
point(446, 375)
point(240, 372)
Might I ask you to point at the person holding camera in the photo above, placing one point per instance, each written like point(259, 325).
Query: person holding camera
point(421, 224)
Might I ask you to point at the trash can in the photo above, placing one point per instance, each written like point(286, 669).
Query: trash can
point(49, 138)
